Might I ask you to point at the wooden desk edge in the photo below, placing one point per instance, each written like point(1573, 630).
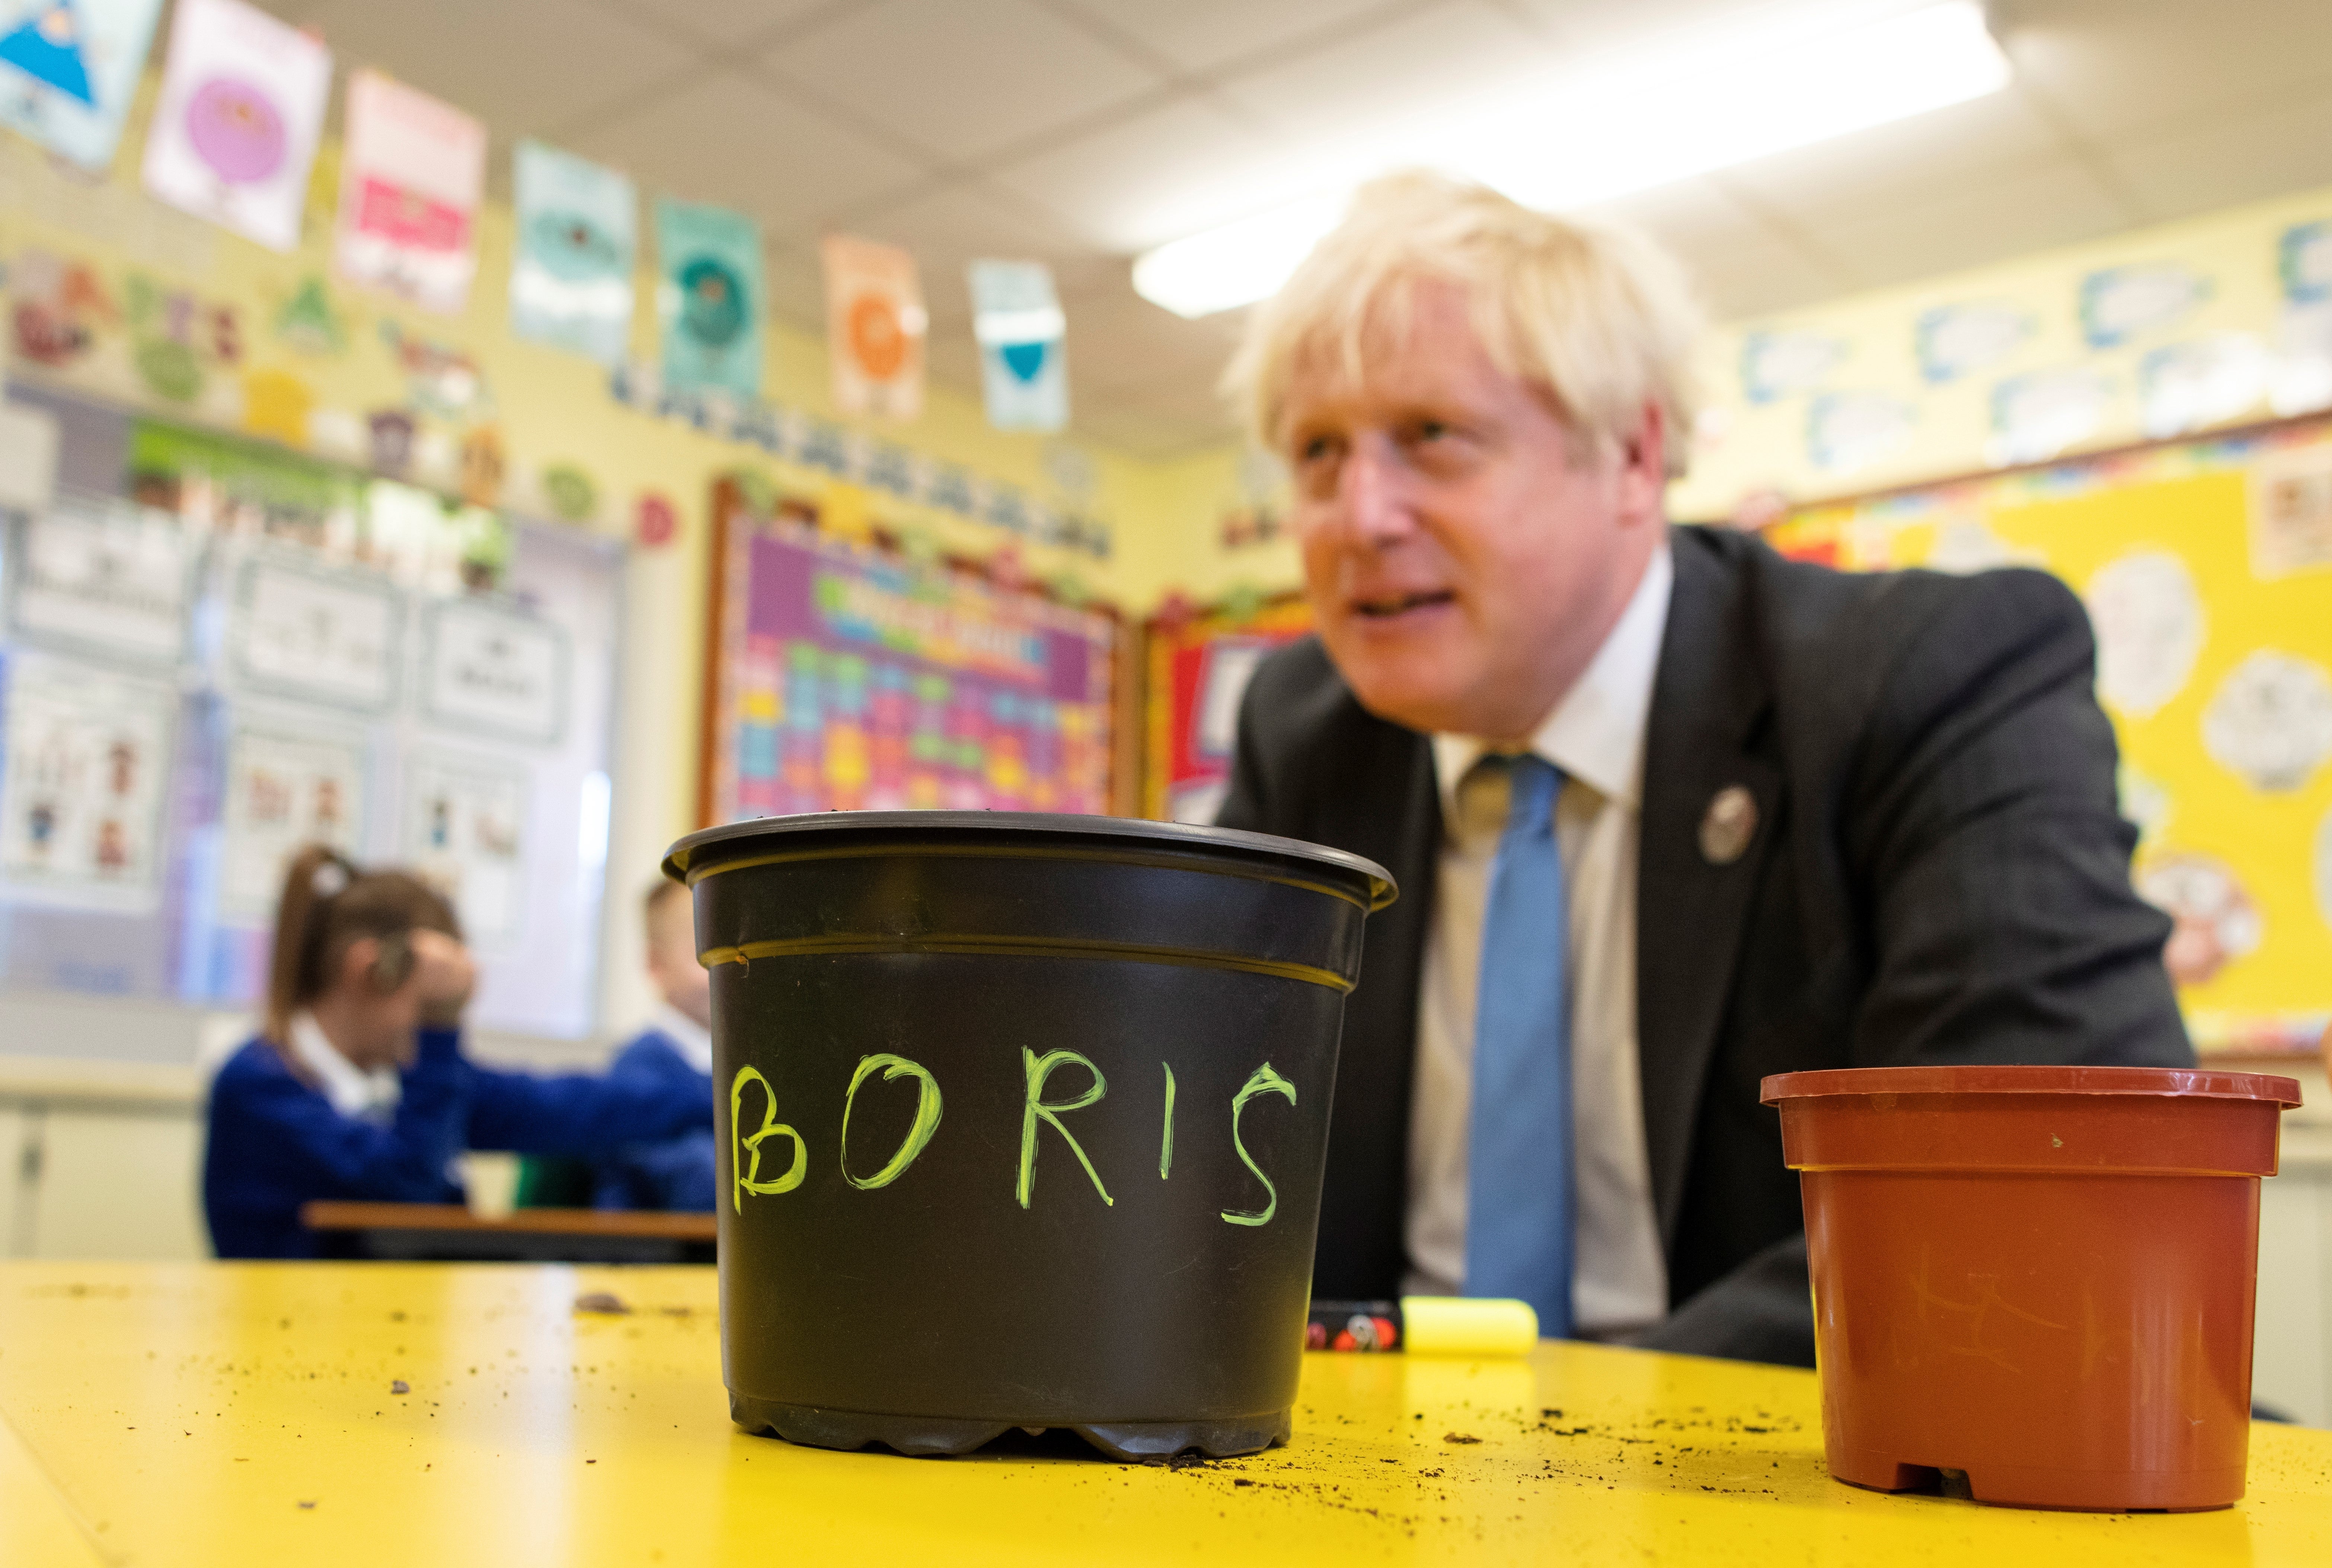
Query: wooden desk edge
point(330, 1215)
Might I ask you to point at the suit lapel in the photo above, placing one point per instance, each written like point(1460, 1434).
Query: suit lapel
point(1706, 700)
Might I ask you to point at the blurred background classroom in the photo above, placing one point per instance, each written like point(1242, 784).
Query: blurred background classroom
point(498, 438)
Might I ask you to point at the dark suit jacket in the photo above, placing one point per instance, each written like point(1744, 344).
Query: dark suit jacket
point(1939, 873)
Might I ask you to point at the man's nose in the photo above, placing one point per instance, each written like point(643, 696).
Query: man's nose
point(1376, 501)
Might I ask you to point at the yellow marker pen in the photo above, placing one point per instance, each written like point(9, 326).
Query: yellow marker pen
point(1425, 1326)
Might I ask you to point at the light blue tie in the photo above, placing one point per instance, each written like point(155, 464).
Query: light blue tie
point(1518, 1175)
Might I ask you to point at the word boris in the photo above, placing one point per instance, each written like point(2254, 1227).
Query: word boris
point(745, 1148)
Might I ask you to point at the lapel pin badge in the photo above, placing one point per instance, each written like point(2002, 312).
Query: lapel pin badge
point(1730, 824)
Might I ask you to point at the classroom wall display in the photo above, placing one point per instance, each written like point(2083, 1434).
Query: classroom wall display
point(709, 299)
point(846, 679)
point(84, 755)
point(1024, 371)
point(464, 822)
point(329, 636)
point(1198, 670)
point(105, 577)
point(69, 70)
point(2216, 674)
point(488, 668)
point(874, 328)
point(570, 282)
point(285, 789)
point(235, 128)
point(412, 172)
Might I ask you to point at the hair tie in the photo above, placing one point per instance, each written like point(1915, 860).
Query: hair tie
point(331, 879)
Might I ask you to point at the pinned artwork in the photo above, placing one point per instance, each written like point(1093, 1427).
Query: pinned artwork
point(656, 522)
point(308, 324)
point(276, 403)
point(105, 576)
point(2303, 255)
point(486, 669)
point(412, 171)
point(2038, 416)
point(58, 308)
point(482, 466)
point(2291, 511)
point(440, 378)
point(462, 834)
point(2214, 919)
point(1017, 322)
point(2121, 304)
point(235, 128)
point(324, 636)
point(572, 493)
point(2270, 720)
point(1846, 431)
point(2186, 386)
point(176, 338)
point(1954, 341)
point(87, 754)
point(1778, 365)
point(283, 790)
point(68, 70)
point(2150, 629)
point(577, 242)
point(709, 299)
point(874, 328)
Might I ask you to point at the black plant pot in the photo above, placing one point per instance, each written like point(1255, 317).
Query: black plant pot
point(1084, 1066)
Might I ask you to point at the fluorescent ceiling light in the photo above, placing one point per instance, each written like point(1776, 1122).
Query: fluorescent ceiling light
point(1628, 127)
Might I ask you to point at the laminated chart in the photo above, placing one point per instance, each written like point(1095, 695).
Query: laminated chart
point(851, 681)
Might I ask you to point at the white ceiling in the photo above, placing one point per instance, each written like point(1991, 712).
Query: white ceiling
point(1079, 131)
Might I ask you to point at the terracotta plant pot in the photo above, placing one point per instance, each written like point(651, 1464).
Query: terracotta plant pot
point(2042, 1277)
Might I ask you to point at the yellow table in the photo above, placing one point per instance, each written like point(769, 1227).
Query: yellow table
point(247, 1414)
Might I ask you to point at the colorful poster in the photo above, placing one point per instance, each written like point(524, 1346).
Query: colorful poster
point(104, 577)
point(82, 763)
point(462, 822)
point(283, 790)
point(577, 243)
point(1199, 671)
point(236, 125)
point(710, 299)
point(325, 637)
point(856, 681)
point(488, 669)
point(412, 170)
point(68, 70)
point(1024, 372)
point(874, 327)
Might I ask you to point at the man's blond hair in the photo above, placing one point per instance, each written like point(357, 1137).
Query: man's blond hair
point(1600, 319)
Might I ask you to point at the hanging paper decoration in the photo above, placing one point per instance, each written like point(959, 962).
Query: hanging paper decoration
point(1017, 320)
point(875, 324)
point(68, 70)
point(235, 128)
point(411, 172)
point(571, 284)
point(709, 299)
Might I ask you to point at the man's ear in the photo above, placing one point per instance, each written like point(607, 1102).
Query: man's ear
point(1644, 468)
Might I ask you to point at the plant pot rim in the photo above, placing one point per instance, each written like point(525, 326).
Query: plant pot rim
point(2182, 1083)
point(1100, 833)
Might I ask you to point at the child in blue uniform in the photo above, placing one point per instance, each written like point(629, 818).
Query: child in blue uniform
point(676, 1047)
point(357, 1088)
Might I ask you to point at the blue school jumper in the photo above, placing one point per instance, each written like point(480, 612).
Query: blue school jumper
point(673, 1174)
point(277, 1143)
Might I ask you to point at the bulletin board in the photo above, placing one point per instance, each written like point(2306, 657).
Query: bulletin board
point(230, 653)
point(1199, 669)
point(843, 677)
point(2206, 567)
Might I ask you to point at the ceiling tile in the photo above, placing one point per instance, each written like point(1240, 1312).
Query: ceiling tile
point(577, 57)
point(2055, 204)
point(731, 21)
point(1685, 215)
point(2214, 160)
point(961, 80)
point(2118, 65)
point(1117, 339)
point(795, 282)
point(1199, 35)
point(1364, 86)
point(1909, 163)
point(1755, 277)
point(726, 139)
point(952, 359)
point(1150, 179)
point(1582, 29)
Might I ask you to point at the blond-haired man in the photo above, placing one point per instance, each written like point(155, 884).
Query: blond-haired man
point(1668, 813)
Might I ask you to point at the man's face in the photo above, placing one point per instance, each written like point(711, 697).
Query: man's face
point(1464, 551)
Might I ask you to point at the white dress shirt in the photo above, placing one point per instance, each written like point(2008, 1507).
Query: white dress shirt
point(1595, 735)
point(694, 1040)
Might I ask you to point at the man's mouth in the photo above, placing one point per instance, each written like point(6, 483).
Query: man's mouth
point(1385, 607)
